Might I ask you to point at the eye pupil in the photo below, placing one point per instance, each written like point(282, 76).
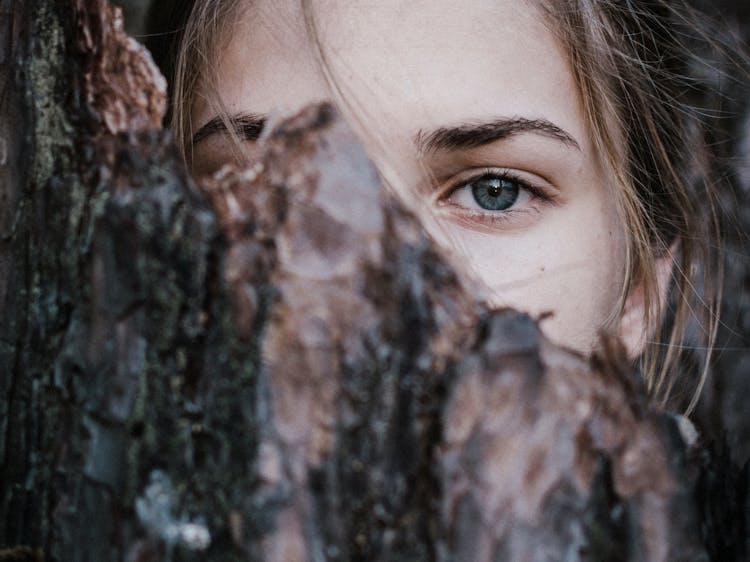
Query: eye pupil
point(495, 194)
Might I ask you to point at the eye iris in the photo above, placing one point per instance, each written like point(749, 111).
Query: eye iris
point(494, 194)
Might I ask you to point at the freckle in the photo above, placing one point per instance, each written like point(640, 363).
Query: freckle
point(544, 268)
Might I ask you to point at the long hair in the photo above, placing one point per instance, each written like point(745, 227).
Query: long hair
point(632, 63)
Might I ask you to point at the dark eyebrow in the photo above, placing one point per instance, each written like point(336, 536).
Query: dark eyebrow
point(474, 135)
point(248, 126)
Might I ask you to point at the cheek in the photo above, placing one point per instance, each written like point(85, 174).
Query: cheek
point(572, 266)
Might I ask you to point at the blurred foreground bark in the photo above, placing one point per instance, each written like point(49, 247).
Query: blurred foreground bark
point(278, 365)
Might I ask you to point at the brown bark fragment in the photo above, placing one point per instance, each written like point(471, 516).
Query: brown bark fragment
point(121, 82)
point(513, 435)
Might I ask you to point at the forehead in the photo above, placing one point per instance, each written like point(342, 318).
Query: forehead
point(400, 59)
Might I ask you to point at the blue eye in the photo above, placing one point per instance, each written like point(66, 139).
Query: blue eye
point(494, 193)
point(497, 198)
point(497, 194)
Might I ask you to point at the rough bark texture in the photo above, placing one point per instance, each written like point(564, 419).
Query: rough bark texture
point(279, 365)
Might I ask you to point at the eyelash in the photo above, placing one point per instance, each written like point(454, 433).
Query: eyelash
point(485, 215)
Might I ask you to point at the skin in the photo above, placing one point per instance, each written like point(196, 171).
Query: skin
point(403, 70)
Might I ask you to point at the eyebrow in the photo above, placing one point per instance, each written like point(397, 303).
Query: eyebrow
point(248, 126)
point(474, 135)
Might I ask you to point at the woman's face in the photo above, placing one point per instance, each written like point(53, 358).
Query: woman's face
point(471, 112)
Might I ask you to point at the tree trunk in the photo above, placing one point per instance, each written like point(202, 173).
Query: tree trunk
point(278, 364)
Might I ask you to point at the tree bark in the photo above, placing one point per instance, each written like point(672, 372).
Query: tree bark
point(278, 364)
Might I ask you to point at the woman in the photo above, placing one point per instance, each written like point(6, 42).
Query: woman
point(550, 144)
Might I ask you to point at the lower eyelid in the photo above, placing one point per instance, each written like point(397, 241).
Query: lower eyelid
point(489, 222)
